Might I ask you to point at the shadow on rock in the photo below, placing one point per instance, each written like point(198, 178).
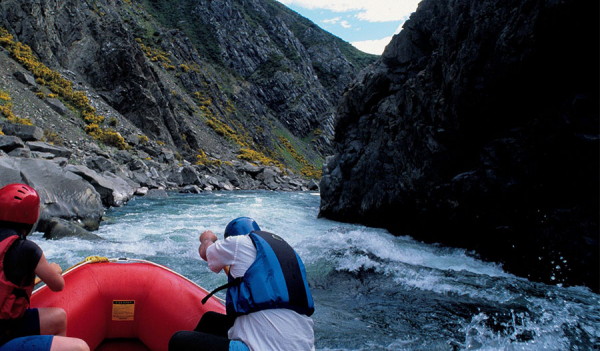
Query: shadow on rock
point(59, 228)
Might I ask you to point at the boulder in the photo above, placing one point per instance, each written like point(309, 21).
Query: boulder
point(189, 175)
point(58, 228)
point(143, 178)
point(8, 143)
point(20, 152)
point(226, 186)
point(191, 189)
point(270, 178)
point(313, 185)
point(167, 156)
point(208, 181)
point(57, 106)
point(123, 191)
point(124, 173)
point(25, 78)
point(40, 146)
point(137, 164)
point(123, 157)
point(63, 194)
point(132, 139)
point(246, 167)
point(175, 177)
point(157, 194)
point(25, 132)
point(232, 177)
point(141, 191)
point(113, 190)
point(44, 155)
point(101, 164)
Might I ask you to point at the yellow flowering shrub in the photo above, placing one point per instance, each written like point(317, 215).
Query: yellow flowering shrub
point(63, 89)
point(6, 39)
point(4, 96)
point(307, 169)
point(258, 157)
point(202, 159)
point(6, 110)
point(112, 137)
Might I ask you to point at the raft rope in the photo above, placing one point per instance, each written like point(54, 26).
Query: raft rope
point(94, 259)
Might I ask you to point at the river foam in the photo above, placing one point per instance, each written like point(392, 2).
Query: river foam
point(373, 291)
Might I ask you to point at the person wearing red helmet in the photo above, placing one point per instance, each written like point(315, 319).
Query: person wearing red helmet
point(23, 328)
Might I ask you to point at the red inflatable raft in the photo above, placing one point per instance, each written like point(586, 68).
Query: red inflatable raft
point(126, 304)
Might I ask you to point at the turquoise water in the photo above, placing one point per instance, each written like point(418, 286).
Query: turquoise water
point(372, 291)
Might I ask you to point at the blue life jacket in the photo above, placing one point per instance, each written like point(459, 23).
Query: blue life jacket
point(276, 279)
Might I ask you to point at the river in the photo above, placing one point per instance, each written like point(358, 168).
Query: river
point(372, 290)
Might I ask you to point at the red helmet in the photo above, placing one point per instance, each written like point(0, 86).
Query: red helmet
point(19, 203)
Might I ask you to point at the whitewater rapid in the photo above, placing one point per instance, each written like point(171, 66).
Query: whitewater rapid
point(372, 290)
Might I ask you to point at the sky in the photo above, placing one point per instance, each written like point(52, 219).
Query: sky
point(367, 24)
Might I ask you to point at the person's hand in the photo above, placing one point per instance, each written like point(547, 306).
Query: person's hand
point(55, 266)
point(207, 238)
point(50, 273)
point(208, 235)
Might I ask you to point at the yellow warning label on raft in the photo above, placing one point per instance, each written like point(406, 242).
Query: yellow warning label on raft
point(123, 310)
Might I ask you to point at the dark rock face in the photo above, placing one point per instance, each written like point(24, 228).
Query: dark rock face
point(478, 128)
point(176, 80)
point(62, 194)
point(252, 63)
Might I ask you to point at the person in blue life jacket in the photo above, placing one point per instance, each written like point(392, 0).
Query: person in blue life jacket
point(23, 328)
point(268, 301)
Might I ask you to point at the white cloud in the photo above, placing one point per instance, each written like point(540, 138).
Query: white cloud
point(335, 20)
point(371, 10)
point(332, 20)
point(375, 47)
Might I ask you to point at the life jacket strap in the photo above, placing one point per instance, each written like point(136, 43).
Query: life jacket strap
point(235, 281)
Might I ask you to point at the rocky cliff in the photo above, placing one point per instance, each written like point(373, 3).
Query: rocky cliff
point(103, 99)
point(478, 128)
point(197, 77)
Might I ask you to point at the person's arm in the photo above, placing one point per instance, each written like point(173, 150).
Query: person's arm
point(50, 273)
point(207, 238)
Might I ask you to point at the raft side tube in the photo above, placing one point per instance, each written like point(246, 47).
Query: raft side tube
point(127, 300)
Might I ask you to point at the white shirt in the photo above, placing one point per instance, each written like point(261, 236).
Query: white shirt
point(267, 330)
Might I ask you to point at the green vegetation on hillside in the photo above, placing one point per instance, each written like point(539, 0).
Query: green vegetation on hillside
point(63, 88)
point(309, 34)
point(180, 14)
point(215, 107)
point(6, 110)
point(300, 25)
point(307, 169)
